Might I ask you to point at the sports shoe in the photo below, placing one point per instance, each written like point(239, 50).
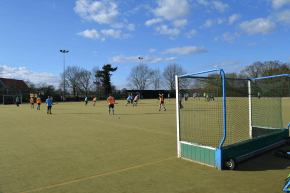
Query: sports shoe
point(164, 109)
point(158, 110)
point(46, 112)
point(50, 113)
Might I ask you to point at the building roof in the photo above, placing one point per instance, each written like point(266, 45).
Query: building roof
point(12, 84)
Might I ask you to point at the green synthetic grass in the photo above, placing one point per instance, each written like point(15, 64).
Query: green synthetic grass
point(81, 148)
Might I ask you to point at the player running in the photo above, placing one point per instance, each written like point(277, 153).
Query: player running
point(135, 101)
point(38, 101)
point(169, 96)
point(49, 105)
point(32, 102)
point(161, 98)
point(95, 99)
point(128, 100)
point(111, 102)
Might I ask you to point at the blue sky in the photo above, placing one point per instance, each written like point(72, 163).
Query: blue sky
point(197, 34)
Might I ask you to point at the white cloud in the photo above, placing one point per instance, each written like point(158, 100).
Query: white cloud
point(170, 59)
point(180, 23)
point(171, 9)
point(186, 50)
point(237, 34)
point(23, 73)
point(131, 27)
point(94, 34)
point(203, 2)
point(117, 25)
point(228, 38)
point(251, 44)
point(220, 6)
point(276, 4)
point(227, 63)
point(191, 33)
point(152, 50)
point(152, 21)
point(126, 36)
point(146, 59)
point(288, 58)
point(233, 18)
point(111, 33)
point(127, 67)
point(216, 39)
point(284, 16)
point(99, 11)
point(221, 20)
point(163, 29)
point(258, 26)
point(263, 40)
point(208, 23)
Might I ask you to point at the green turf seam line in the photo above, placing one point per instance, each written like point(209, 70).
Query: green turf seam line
point(108, 173)
point(129, 126)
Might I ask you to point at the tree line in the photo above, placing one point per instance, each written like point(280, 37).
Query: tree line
point(79, 81)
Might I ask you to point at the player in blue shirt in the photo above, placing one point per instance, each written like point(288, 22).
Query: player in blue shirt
point(49, 105)
point(86, 99)
point(132, 98)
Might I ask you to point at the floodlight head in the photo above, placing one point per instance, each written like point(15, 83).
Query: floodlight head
point(67, 51)
point(60, 50)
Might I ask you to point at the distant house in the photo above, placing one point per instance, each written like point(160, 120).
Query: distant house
point(12, 86)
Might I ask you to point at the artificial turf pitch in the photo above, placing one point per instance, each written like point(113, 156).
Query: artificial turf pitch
point(81, 148)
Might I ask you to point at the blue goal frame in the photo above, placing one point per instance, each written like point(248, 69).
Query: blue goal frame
point(219, 152)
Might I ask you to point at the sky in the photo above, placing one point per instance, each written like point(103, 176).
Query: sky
point(196, 34)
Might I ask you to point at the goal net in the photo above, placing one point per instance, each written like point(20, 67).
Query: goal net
point(11, 99)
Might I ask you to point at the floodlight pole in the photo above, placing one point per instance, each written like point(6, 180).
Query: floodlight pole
point(140, 58)
point(64, 51)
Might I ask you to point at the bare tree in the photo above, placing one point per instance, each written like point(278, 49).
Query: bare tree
point(140, 76)
point(31, 86)
point(72, 78)
point(268, 68)
point(156, 79)
point(169, 74)
point(85, 80)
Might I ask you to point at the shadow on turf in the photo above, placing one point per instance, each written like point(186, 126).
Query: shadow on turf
point(265, 161)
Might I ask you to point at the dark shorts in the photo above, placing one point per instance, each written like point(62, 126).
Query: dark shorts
point(161, 102)
point(135, 101)
point(48, 108)
point(38, 104)
point(111, 106)
point(32, 103)
point(131, 100)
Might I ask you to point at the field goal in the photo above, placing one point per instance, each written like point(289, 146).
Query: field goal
point(222, 121)
point(11, 99)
